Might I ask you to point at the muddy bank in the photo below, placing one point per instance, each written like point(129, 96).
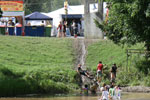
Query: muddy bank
point(80, 47)
point(140, 89)
point(80, 52)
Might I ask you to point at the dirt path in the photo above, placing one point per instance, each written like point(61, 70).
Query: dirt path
point(80, 50)
point(80, 46)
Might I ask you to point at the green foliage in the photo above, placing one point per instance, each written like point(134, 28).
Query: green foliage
point(133, 77)
point(128, 22)
point(27, 11)
point(143, 66)
point(146, 80)
point(47, 5)
point(31, 65)
point(109, 53)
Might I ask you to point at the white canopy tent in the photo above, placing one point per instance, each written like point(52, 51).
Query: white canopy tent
point(72, 10)
point(57, 15)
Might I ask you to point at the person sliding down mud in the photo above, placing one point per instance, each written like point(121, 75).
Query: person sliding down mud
point(83, 72)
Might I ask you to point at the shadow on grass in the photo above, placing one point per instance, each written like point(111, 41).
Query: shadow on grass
point(16, 84)
point(143, 66)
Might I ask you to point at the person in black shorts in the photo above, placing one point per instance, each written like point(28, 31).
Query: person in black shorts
point(113, 72)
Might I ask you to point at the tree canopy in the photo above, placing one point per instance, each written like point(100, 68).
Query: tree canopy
point(46, 5)
point(128, 22)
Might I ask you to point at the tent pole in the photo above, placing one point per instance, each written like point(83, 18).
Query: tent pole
point(66, 9)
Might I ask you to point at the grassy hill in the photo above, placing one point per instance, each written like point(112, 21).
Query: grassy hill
point(35, 65)
point(106, 51)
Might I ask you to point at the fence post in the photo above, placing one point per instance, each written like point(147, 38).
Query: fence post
point(127, 60)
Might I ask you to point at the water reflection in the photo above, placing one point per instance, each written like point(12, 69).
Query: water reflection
point(125, 96)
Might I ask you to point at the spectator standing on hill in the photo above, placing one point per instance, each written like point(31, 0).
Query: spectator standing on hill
point(113, 72)
point(17, 25)
point(11, 23)
point(59, 28)
point(79, 28)
point(74, 26)
point(99, 71)
point(64, 28)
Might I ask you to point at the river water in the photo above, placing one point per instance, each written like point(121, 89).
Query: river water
point(125, 96)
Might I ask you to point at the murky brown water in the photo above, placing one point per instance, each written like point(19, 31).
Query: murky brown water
point(125, 96)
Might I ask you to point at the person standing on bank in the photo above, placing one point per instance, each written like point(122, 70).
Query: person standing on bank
point(112, 93)
point(105, 94)
point(99, 71)
point(113, 72)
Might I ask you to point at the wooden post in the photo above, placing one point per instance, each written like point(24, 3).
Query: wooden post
point(66, 9)
point(127, 61)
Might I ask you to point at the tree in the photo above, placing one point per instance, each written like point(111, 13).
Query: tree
point(47, 5)
point(128, 22)
point(33, 5)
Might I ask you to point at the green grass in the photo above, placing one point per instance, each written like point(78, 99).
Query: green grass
point(109, 53)
point(35, 65)
point(35, 52)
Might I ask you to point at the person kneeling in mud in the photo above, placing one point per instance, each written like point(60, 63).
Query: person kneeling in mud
point(82, 72)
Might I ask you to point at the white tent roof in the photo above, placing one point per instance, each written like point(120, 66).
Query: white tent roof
point(72, 10)
point(77, 9)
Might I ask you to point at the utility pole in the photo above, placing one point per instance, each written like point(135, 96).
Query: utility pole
point(100, 8)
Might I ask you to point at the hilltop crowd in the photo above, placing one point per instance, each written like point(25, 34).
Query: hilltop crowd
point(68, 29)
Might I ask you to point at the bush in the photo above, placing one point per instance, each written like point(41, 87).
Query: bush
point(143, 66)
point(109, 53)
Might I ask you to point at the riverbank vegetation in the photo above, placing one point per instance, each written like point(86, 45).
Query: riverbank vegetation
point(137, 71)
point(33, 65)
point(40, 65)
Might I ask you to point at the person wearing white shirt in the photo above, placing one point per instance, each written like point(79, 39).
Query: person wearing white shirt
point(118, 92)
point(105, 94)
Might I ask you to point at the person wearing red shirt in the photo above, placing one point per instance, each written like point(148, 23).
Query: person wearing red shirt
point(59, 28)
point(99, 71)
